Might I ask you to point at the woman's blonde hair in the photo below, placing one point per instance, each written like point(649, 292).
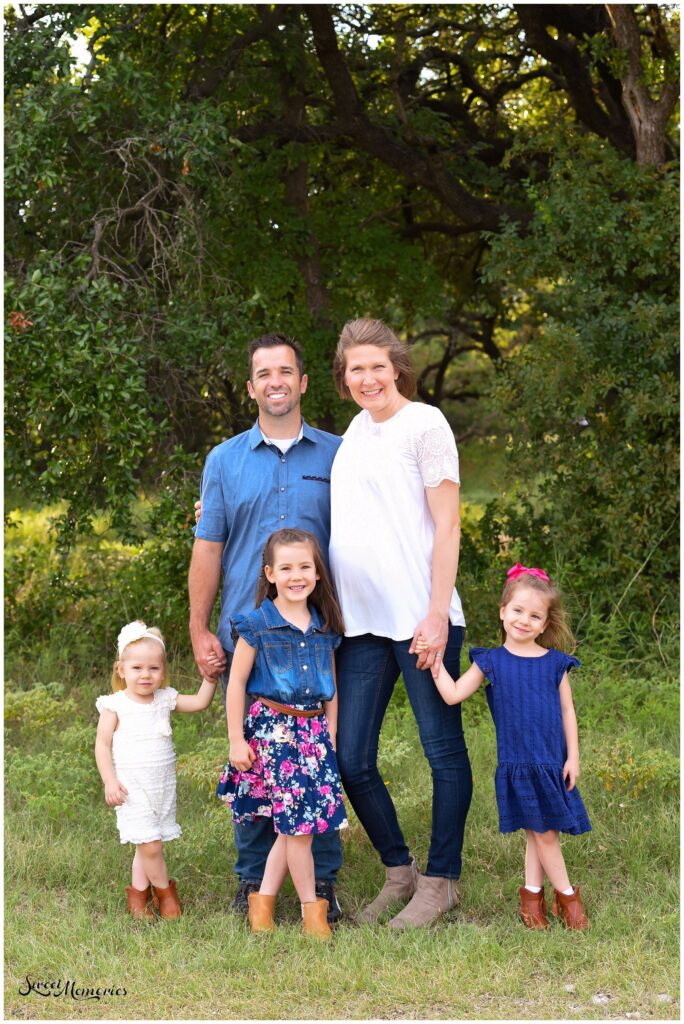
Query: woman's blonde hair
point(120, 684)
point(557, 632)
point(374, 332)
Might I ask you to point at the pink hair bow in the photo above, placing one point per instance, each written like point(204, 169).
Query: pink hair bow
point(520, 570)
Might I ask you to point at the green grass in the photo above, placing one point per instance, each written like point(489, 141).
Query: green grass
point(65, 872)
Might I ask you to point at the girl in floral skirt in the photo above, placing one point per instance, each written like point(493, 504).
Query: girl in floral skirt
point(282, 762)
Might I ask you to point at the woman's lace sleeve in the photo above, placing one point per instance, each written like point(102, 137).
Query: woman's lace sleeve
point(436, 455)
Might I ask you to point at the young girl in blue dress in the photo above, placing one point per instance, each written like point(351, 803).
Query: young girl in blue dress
point(282, 762)
point(530, 700)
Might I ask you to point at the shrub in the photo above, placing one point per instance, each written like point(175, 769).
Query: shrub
point(633, 773)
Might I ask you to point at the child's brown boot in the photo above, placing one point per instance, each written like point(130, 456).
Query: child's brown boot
point(169, 904)
point(533, 908)
point(315, 919)
point(261, 912)
point(139, 903)
point(570, 909)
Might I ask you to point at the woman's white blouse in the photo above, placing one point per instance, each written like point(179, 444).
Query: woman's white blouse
point(382, 531)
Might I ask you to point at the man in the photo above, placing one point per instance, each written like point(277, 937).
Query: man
point(276, 474)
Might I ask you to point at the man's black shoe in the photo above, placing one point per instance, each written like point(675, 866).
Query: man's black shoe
point(240, 901)
point(326, 891)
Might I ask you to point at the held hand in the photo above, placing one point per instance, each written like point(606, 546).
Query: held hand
point(198, 511)
point(434, 631)
point(115, 793)
point(241, 756)
point(571, 772)
point(209, 654)
point(421, 646)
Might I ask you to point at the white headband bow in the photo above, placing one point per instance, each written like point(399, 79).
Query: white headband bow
point(135, 631)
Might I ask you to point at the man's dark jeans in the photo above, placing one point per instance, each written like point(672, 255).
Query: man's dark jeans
point(367, 669)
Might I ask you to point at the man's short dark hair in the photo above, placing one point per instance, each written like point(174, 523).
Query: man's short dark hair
point(272, 341)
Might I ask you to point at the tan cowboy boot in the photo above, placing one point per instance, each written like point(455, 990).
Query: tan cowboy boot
point(432, 898)
point(533, 909)
point(261, 912)
point(138, 903)
point(400, 885)
point(315, 919)
point(570, 909)
point(169, 904)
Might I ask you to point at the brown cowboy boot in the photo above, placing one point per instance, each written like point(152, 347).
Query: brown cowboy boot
point(570, 909)
point(169, 904)
point(432, 898)
point(138, 903)
point(315, 919)
point(400, 885)
point(261, 912)
point(533, 909)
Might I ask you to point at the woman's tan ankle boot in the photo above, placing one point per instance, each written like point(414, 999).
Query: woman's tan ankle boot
point(570, 909)
point(261, 912)
point(169, 904)
point(315, 919)
point(400, 885)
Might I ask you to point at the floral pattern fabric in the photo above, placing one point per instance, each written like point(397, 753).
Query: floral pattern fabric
point(294, 779)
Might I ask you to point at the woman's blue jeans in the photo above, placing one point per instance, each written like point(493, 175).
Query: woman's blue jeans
point(367, 669)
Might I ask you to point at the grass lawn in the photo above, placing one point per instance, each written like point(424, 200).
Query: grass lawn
point(65, 872)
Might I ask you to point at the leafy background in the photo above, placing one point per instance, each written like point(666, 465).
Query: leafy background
point(180, 179)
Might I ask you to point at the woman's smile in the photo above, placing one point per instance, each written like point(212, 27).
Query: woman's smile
point(371, 378)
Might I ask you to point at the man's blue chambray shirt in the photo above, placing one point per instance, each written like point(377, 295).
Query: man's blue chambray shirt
point(250, 489)
point(291, 666)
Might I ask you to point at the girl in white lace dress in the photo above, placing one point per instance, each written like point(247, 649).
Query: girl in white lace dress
point(136, 759)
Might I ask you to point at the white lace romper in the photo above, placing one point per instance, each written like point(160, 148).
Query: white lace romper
point(145, 763)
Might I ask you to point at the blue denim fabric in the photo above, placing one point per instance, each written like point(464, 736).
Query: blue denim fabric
point(249, 489)
point(253, 842)
point(291, 666)
point(367, 670)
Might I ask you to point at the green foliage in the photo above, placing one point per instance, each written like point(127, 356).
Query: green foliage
point(80, 418)
point(39, 710)
point(626, 772)
point(58, 780)
point(595, 395)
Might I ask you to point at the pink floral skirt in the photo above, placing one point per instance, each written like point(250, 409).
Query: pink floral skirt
point(294, 779)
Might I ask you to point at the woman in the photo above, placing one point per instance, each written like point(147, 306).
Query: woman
point(394, 557)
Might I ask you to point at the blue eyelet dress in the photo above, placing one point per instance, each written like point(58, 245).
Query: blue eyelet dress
point(524, 700)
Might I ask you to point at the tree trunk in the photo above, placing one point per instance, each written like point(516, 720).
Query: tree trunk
point(648, 117)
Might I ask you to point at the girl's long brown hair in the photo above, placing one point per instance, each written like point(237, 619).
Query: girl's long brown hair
point(557, 632)
point(323, 596)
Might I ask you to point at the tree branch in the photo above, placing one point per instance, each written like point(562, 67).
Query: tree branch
point(427, 170)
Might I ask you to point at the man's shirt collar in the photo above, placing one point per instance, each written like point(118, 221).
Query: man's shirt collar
point(256, 436)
